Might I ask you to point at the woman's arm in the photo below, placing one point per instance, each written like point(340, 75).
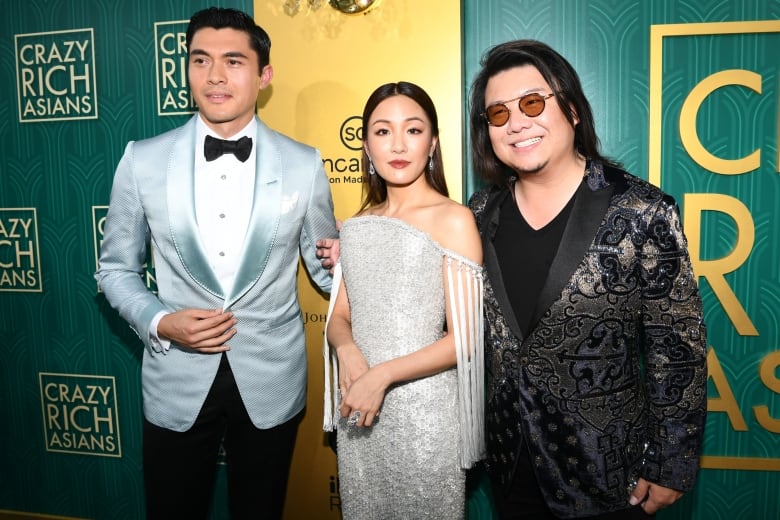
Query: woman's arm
point(352, 364)
point(367, 392)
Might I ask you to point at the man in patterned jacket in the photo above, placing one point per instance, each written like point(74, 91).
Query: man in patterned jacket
point(594, 333)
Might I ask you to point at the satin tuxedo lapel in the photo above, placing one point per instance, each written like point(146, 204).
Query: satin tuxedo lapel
point(266, 212)
point(590, 206)
point(181, 207)
point(263, 223)
point(487, 230)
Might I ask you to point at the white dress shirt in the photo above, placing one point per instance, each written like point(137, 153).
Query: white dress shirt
point(224, 192)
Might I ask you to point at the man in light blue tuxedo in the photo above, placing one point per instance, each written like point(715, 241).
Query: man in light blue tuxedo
point(227, 206)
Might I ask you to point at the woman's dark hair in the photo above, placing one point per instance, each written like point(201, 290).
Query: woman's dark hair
point(375, 188)
point(565, 83)
point(227, 18)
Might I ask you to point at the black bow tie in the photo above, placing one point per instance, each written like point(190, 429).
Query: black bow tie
point(214, 147)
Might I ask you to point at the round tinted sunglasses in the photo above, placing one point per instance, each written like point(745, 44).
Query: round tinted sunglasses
point(530, 104)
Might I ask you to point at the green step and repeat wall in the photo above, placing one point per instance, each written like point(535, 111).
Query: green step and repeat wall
point(685, 94)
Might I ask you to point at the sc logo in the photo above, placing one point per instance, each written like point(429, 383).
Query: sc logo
point(351, 133)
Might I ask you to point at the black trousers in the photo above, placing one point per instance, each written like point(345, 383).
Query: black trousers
point(180, 467)
point(524, 500)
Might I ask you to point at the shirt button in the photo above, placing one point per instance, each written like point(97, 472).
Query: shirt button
point(221, 253)
point(223, 177)
point(221, 215)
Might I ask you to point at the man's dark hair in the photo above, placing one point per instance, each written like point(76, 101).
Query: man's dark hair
point(565, 83)
point(227, 18)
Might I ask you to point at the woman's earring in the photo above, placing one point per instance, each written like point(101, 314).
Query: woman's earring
point(371, 170)
point(430, 163)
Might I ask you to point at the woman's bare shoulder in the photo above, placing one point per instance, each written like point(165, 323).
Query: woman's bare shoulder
point(454, 216)
point(455, 229)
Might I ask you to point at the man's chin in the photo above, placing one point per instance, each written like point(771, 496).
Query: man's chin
point(216, 119)
point(533, 170)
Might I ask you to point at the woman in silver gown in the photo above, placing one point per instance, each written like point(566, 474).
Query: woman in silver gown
point(403, 354)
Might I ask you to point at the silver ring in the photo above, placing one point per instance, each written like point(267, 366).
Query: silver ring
point(353, 419)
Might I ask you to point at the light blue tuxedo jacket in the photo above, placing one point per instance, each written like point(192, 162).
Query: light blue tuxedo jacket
point(152, 202)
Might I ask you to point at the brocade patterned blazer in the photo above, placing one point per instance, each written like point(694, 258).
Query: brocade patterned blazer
point(610, 384)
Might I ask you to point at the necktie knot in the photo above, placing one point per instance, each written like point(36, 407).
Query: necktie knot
point(214, 148)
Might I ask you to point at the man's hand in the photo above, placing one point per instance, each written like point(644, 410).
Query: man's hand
point(206, 331)
point(328, 251)
point(653, 497)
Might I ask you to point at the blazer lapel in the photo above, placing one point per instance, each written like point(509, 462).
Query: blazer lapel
point(180, 195)
point(490, 221)
point(589, 208)
point(266, 213)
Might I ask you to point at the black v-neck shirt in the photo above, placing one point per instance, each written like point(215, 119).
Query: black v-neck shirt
point(525, 255)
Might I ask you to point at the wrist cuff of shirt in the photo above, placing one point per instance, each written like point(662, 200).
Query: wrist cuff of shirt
point(156, 343)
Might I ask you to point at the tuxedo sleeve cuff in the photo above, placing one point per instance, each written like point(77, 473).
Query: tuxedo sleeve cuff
point(156, 343)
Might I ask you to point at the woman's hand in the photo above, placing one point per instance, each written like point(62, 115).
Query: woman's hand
point(352, 365)
point(363, 399)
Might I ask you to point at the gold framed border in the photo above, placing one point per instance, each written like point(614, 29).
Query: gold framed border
point(96, 234)
point(112, 380)
point(39, 271)
point(159, 25)
point(91, 32)
point(7, 514)
point(657, 35)
point(739, 463)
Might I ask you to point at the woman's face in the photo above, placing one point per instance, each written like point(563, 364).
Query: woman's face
point(399, 140)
